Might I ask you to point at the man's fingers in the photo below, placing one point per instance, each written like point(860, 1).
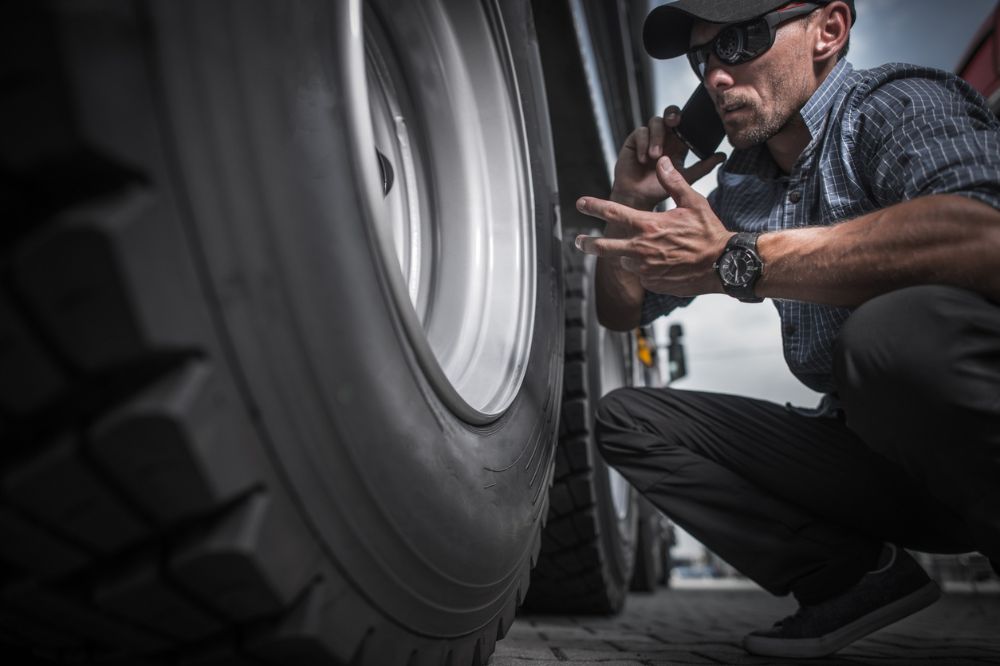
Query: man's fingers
point(603, 247)
point(697, 171)
point(662, 140)
point(672, 116)
point(675, 185)
point(642, 144)
point(656, 133)
point(673, 147)
point(609, 211)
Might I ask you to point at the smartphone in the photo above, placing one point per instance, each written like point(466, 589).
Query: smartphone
point(701, 128)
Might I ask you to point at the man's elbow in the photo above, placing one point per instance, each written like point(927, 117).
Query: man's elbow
point(617, 319)
point(992, 245)
point(618, 299)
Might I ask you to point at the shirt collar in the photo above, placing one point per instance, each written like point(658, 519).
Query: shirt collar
point(817, 109)
point(757, 160)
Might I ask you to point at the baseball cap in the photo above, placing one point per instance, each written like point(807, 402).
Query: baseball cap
point(667, 30)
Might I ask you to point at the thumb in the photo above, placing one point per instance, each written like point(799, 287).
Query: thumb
point(675, 185)
point(697, 171)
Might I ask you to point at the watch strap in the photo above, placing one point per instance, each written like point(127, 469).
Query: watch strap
point(745, 240)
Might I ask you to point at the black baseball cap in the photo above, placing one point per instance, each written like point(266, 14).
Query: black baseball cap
point(667, 30)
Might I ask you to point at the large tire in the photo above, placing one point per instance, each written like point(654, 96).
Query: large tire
point(652, 550)
point(233, 430)
point(588, 545)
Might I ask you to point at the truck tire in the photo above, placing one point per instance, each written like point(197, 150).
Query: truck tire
point(650, 549)
point(588, 545)
point(279, 378)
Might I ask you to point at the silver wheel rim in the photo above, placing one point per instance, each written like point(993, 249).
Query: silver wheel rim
point(613, 350)
point(451, 203)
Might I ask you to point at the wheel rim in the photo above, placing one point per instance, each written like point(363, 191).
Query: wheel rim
point(453, 205)
point(613, 376)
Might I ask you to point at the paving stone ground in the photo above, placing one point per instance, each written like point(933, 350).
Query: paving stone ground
point(705, 626)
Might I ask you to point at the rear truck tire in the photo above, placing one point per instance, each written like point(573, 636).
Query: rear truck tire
point(588, 545)
point(650, 549)
point(257, 403)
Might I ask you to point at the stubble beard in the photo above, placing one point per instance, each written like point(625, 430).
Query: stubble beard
point(757, 131)
point(761, 124)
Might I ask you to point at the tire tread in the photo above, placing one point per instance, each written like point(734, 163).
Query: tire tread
point(572, 572)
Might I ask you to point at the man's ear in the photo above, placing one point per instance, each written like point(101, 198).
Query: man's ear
point(834, 27)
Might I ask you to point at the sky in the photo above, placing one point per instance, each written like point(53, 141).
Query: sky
point(735, 347)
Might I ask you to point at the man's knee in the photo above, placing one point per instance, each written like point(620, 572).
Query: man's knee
point(622, 429)
point(614, 417)
point(913, 360)
point(907, 339)
point(613, 407)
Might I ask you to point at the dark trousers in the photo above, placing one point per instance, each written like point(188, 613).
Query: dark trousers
point(802, 504)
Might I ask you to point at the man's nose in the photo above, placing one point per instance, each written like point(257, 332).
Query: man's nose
point(717, 77)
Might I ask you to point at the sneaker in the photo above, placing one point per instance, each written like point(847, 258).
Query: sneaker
point(897, 589)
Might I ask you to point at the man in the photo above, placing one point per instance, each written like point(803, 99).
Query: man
point(864, 203)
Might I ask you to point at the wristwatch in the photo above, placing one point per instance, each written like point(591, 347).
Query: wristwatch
point(739, 267)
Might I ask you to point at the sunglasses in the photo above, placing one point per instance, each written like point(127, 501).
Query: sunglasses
point(742, 42)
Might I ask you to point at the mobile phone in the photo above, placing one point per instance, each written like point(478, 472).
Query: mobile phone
point(701, 128)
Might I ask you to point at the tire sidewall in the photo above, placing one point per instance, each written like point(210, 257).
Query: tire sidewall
point(432, 518)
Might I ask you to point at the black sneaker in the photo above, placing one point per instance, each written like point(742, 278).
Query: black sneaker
point(881, 597)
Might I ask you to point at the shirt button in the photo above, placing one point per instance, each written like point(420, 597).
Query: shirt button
point(790, 329)
point(795, 196)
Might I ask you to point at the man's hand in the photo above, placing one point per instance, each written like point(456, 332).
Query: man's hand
point(671, 252)
point(636, 183)
point(618, 292)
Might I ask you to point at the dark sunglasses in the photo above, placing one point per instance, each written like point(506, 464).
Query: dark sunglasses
point(742, 42)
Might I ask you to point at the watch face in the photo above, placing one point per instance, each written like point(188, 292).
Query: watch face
point(738, 268)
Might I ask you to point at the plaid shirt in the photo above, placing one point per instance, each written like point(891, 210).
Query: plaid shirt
point(879, 137)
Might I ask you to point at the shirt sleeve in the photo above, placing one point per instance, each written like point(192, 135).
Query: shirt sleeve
point(655, 306)
point(919, 136)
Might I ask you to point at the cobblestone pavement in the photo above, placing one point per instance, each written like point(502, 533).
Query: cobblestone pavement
point(705, 626)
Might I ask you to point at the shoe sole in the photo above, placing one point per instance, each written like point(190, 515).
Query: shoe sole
point(806, 648)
